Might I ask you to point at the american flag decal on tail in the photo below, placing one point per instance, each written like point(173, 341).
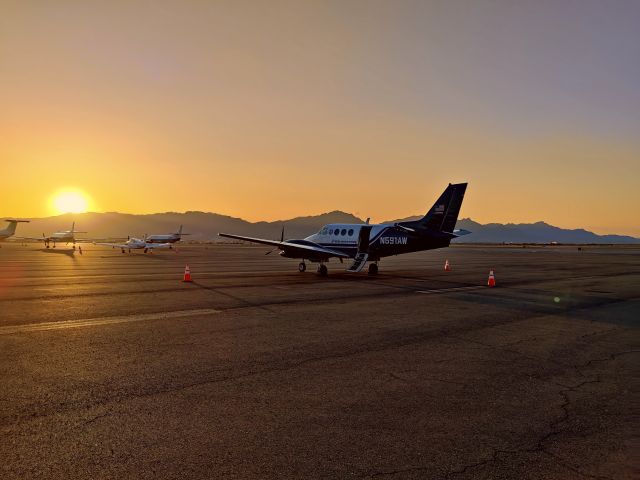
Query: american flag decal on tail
point(439, 209)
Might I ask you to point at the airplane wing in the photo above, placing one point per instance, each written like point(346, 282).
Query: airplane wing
point(115, 245)
point(304, 249)
point(32, 239)
point(57, 240)
point(152, 246)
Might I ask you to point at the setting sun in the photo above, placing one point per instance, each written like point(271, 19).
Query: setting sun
point(70, 201)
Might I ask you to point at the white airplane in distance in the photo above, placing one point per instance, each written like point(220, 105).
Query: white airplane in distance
point(11, 229)
point(135, 244)
point(66, 237)
point(168, 238)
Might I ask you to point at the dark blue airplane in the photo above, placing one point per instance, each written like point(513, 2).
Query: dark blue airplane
point(369, 243)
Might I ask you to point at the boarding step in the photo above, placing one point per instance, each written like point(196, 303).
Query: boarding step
point(358, 263)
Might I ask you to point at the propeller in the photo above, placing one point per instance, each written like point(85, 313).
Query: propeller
point(281, 240)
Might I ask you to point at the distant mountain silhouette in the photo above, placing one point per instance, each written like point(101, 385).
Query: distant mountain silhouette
point(204, 226)
point(539, 232)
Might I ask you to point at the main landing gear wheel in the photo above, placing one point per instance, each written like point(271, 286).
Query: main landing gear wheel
point(373, 269)
point(302, 267)
point(323, 270)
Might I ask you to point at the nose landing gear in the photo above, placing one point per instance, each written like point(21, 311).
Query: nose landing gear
point(323, 270)
point(302, 267)
point(373, 269)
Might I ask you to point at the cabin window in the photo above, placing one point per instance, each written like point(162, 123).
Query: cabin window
point(336, 231)
point(331, 231)
point(350, 231)
point(344, 232)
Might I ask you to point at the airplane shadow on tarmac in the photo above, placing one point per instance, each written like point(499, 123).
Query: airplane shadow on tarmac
point(67, 252)
point(137, 255)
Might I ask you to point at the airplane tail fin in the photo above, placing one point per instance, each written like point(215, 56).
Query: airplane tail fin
point(11, 228)
point(73, 228)
point(443, 215)
point(179, 232)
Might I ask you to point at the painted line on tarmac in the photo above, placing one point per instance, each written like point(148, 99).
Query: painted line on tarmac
point(99, 321)
point(452, 289)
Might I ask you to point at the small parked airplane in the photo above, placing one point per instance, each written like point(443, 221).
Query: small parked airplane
point(136, 244)
point(11, 229)
point(66, 236)
point(168, 238)
point(369, 243)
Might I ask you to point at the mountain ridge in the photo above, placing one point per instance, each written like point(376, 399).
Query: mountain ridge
point(204, 226)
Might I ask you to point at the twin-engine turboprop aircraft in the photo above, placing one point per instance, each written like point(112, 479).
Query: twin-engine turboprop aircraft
point(136, 244)
point(66, 237)
point(369, 243)
point(168, 238)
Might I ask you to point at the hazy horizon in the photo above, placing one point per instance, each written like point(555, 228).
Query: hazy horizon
point(268, 111)
point(417, 215)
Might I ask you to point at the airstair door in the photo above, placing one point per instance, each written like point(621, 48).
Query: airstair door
point(363, 250)
point(363, 239)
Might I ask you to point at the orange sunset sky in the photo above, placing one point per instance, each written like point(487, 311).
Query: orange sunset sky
point(269, 110)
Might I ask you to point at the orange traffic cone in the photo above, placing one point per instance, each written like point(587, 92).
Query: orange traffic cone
point(187, 274)
point(492, 280)
point(447, 267)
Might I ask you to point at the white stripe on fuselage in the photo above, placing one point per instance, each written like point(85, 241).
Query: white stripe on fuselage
point(347, 240)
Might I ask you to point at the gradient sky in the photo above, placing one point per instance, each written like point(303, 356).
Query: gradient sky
point(268, 110)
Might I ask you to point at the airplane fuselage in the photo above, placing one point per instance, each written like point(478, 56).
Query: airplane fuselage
point(172, 238)
point(61, 237)
point(6, 233)
point(384, 240)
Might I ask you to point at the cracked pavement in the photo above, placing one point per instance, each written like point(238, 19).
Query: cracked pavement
point(277, 374)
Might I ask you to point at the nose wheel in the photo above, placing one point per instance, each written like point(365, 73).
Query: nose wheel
point(373, 269)
point(323, 270)
point(302, 267)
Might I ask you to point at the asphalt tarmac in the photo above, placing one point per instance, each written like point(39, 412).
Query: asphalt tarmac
point(112, 367)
